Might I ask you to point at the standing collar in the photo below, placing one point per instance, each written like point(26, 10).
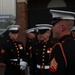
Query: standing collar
point(64, 38)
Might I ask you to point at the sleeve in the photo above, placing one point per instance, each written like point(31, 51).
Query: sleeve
point(29, 50)
point(5, 54)
point(57, 64)
point(27, 47)
point(23, 53)
point(30, 45)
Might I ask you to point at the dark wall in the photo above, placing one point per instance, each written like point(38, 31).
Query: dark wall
point(44, 3)
point(36, 16)
point(42, 15)
point(39, 13)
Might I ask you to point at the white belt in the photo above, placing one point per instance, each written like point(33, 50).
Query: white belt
point(15, 59)
point(42, 67)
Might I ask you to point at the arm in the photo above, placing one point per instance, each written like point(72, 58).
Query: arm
point(5, 55)
point(57, 63)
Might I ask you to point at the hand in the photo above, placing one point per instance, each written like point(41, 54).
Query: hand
point(22, 68)
point(23, 65)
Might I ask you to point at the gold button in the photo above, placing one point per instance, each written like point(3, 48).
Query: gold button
point(43, 64)
point(15, 43)
point(18, 55)
point(17, 51)
point(11, 62)
point(43, 52)
point(62, 41)
point(43, 49)
point(44, 45)
point(42, 67)
point(43, 56)
point(42, 59)
point(21, 47)
point(48, 51)
point(17, 48)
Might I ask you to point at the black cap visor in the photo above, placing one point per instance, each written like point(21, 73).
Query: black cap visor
point(43, 31)
point(55, 20)
point(14, 31)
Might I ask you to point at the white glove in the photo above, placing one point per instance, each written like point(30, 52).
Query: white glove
point(22, 68)
point(23, 65)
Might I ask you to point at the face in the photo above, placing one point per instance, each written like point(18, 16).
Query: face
point(31, 35)
point(56, 29)
point(13, 36)
point(73, 33)
point(43, 37)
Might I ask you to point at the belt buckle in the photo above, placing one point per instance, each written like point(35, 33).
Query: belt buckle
point(41, 67)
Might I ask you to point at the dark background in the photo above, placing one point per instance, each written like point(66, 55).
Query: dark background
point(44, 3)
point(39, 13)
point(42, 15)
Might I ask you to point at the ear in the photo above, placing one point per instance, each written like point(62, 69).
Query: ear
point(62, 27)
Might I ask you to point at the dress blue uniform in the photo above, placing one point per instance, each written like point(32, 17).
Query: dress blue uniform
point(12, 53)
point(30, 44)
point(43, 52)
point(43, 57)
point(62, 61)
